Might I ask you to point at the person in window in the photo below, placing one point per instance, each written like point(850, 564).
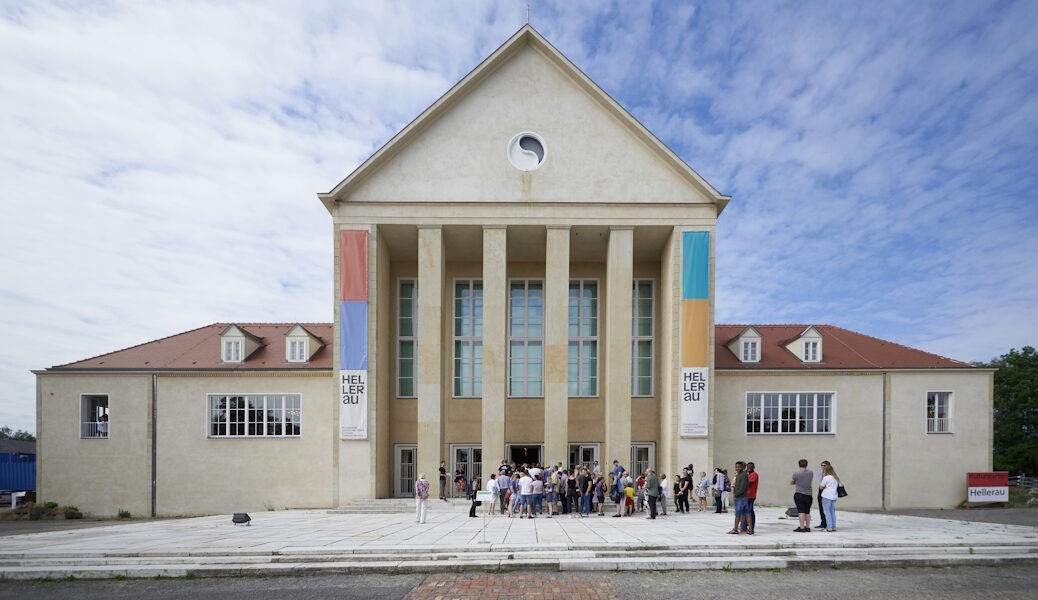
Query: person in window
point(102, 426)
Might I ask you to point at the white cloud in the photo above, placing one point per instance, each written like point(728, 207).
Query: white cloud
point(160, 162)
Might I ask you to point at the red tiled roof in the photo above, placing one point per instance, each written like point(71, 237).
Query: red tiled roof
point(841, 349)
point(199, 349)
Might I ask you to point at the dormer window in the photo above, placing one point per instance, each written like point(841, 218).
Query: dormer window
point(810, 350)
point(231, 351)
point(749, 351)
point(297, 350)
point(300, 344)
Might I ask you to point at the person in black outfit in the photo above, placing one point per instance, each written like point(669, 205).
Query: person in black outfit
point(571, 491)
point(473, 488)
point(443, 480)
point(683, 491)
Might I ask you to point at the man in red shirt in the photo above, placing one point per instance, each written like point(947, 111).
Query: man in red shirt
point(751, 493)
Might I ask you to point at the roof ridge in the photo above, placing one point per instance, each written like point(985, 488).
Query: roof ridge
point(172, 335)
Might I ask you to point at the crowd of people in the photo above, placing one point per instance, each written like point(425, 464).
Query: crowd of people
point(531, 491)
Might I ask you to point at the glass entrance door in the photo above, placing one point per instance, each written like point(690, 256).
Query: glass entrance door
point(469, 459)
point(583, 455)
point(643, 456)
point(406, 463)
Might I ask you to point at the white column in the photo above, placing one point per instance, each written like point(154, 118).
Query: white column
point(617, 347)
point(430, 350)
point(495, 350)
point(556, 341)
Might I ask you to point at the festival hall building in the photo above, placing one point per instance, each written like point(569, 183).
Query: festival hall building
point(524, 272)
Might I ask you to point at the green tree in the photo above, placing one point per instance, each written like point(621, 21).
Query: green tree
point(1016, 411)
point(7, 434)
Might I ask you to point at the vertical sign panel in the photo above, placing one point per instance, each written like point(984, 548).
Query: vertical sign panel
point(353, 334)
point(695, 336)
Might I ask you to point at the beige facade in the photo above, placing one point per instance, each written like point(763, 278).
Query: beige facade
point(551, 378)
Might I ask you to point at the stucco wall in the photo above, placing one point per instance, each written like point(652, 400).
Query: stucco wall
point(461, 156)
point(855, 449)
point(98, 475)
point(202, 475)
point(929, 470)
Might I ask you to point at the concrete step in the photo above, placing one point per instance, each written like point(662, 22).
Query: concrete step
point(479, 562)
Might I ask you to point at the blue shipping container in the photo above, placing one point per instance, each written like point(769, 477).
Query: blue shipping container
point(17, 471)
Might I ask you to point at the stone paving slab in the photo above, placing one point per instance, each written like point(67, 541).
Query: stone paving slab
point(298, 541)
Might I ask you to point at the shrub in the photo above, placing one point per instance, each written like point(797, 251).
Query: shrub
point(50, 505)
point(124, 514)
point(71, 512)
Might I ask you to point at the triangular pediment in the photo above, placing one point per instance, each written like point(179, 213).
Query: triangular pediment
point(456, 151)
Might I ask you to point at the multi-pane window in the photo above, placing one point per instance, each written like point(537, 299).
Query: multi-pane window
point(641, 338)
point(468, 338)
point(406, 331)
point(583, 338)
point(254, 415)
point(93, 416)
point(749, 351)
point(526, 338)
point(232, 351)
point(810, 351)
point(938, 412)
point(789, 412)
point(297, 350)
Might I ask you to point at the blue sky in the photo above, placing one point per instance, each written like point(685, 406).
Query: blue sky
point(160, 162)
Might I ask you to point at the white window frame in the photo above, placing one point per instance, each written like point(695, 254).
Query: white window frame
point(399, 493)
point(581, 340)
point(473, 340)
point(754, 345)
point(303, 344)
point(404, 339)
point(89, 430)
point(228, 356)
point(934, 424)
point(209, 423)
point(811, 353)
point(454, 462)
point(596, 451)
point(526, 340)
point(651, 446)
point(781, 397)
point(635, 338)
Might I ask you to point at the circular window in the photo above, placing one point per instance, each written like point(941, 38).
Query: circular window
point(526, 151)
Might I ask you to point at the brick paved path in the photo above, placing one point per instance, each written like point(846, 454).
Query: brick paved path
point(502, 587)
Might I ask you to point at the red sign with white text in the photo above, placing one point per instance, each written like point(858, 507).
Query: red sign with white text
point(987, 487)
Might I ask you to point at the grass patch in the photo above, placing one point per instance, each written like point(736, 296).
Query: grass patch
point(1018, 497)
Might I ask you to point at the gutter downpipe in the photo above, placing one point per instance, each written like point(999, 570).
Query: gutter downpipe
point(882, 462)
point(154, 444)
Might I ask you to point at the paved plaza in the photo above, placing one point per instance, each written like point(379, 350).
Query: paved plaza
point(371, 540)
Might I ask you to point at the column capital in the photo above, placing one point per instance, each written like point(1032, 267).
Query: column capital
point(558, 227)
point(493, 227)
point(621, 228)
point(437, 227)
